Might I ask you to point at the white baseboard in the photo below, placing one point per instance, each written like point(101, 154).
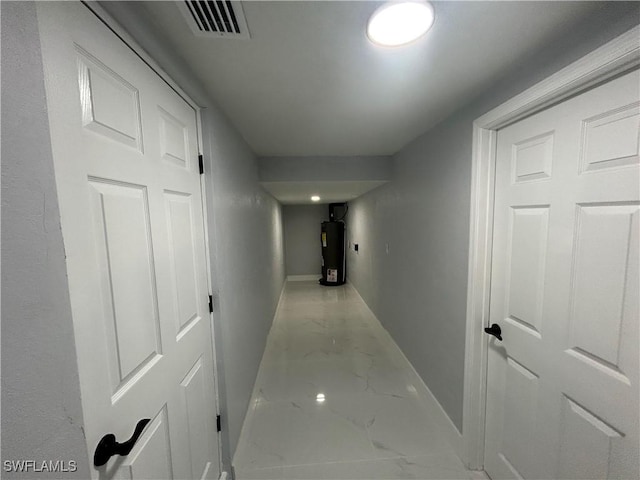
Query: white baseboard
point(445, 425)
point(443, 422)
point(303, 278)
point(254, 392)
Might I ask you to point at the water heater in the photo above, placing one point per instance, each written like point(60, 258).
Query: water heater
point(333, 253)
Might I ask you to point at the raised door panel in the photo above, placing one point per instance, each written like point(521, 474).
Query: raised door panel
point(151, 455)
point(520, 416)
point(174, 139)
point(526, 268)
point(122, 236)
point(110, 104)
point(605, 238)
point(182, 250)
point(588, 444)
point(194, 389)
point(532, 158)
point(610, 139)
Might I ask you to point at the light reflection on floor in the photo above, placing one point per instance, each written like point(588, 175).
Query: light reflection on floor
point(335, 399)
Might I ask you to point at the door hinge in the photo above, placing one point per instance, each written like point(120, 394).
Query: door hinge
point(218, 423)
point(210, 303)
point(201, 164)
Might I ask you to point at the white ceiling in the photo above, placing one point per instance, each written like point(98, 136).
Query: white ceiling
point(308, 82)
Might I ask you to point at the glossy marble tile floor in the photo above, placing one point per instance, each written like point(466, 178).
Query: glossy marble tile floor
point(336, 399)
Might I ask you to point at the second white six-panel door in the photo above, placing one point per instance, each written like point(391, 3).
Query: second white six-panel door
point(562, 392)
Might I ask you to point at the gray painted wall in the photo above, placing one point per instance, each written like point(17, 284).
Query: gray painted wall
point(303, 255)
point(418, 289)
point(41, 409)
point(247, 260)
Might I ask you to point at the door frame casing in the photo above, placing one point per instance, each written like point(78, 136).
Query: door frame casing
point(614, 58)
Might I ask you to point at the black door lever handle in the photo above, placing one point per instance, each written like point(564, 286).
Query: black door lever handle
point(494, 330)
point(108, 446)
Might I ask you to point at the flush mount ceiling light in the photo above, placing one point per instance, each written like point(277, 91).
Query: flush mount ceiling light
point(315, 198)
point(399, 23)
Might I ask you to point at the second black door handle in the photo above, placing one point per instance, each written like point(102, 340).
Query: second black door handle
point(494, 330)
point(108, 446)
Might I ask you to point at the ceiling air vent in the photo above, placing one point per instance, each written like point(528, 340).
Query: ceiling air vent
point(218, 19)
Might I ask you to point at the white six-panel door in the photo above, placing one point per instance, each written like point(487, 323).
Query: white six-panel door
point(126, 165)
point(562, 392)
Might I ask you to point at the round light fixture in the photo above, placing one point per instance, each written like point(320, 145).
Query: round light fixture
point(315, 198)
point(399, 23)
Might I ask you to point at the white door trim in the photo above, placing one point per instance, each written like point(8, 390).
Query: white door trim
point(619, 55)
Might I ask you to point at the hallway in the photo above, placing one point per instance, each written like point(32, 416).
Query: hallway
point(336, 399)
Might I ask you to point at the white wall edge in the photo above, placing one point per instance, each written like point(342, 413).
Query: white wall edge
point(618, 56)
point(436, 412)
point(303, 278)
point(277, 312)
point(444, 423)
